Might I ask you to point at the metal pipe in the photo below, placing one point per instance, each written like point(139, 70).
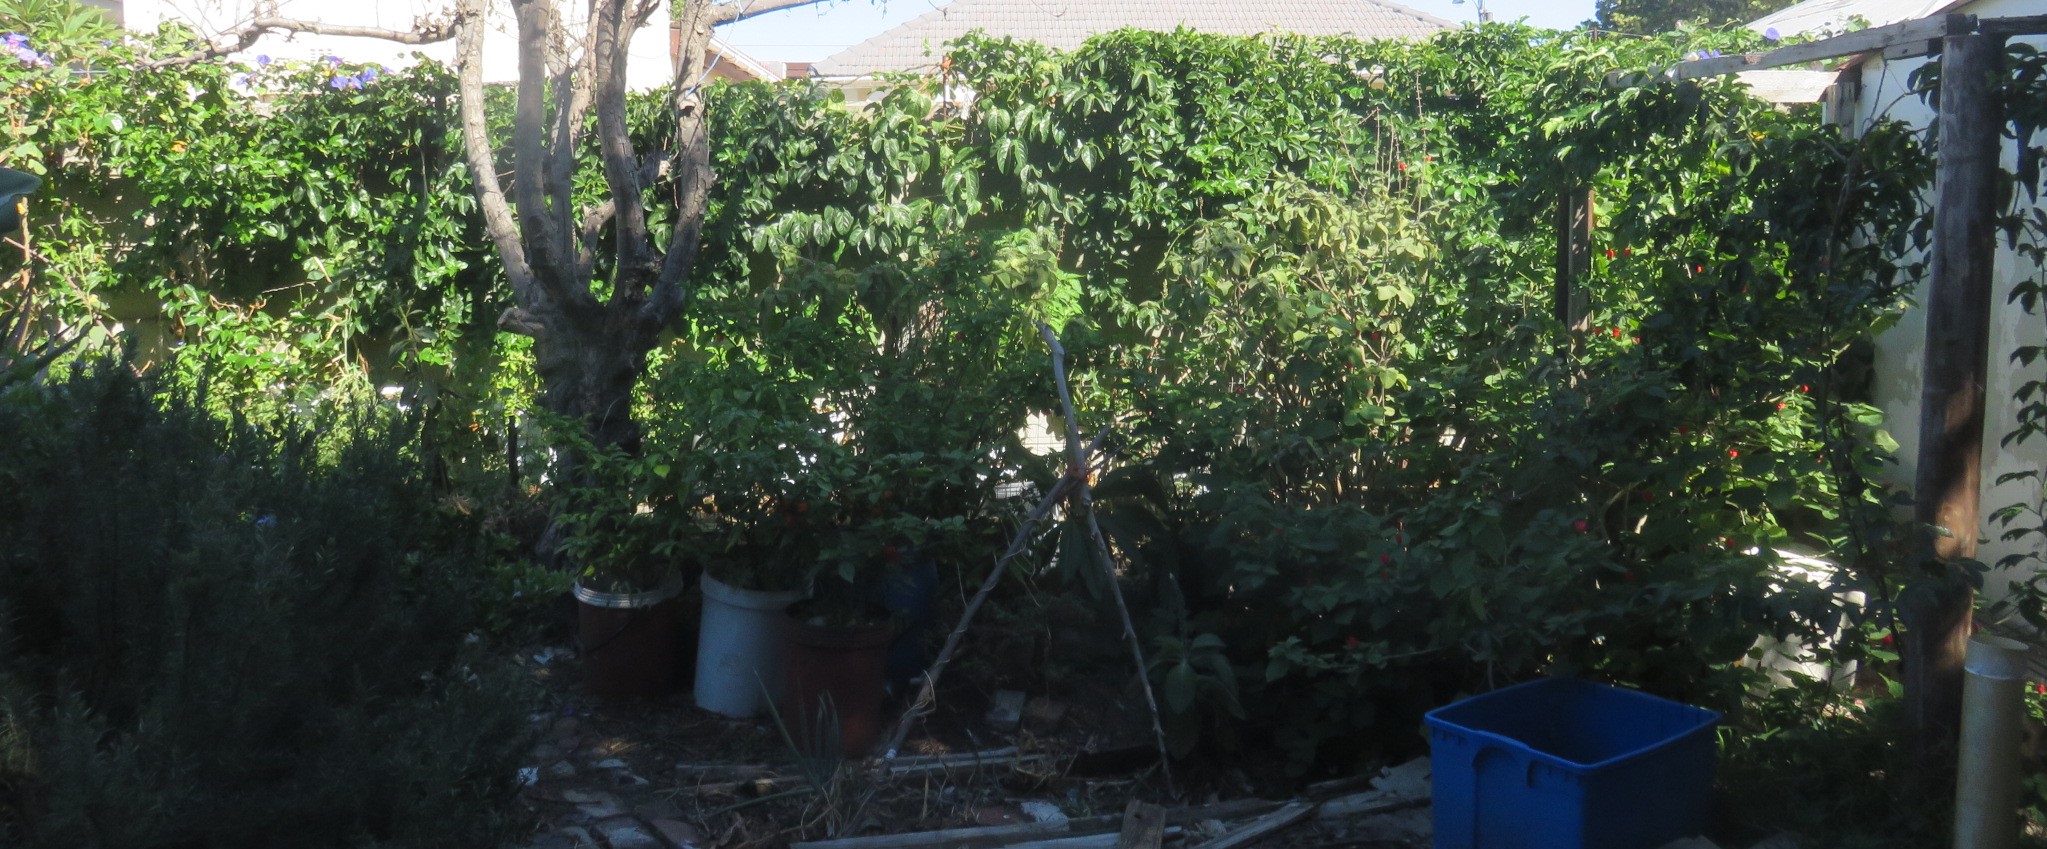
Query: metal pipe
point(1993, 717)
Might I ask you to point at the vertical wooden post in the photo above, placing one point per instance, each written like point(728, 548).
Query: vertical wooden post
point(1937, 611)
point(1572, 306)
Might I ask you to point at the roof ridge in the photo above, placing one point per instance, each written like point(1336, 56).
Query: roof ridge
point(1399, 9)
point(1063, 24)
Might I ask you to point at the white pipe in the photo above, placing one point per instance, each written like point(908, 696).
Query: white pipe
point(1993, 716)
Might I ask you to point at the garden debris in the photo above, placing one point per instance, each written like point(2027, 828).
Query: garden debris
point(1007, 711)
point(961, 761)
point(1045, 812)
point(679, 834)
point(628, 833)
point(1144, 826)
point(1041, 715)
point(1261, 827)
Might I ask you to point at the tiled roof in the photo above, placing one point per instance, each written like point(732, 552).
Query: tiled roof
point(1064, 24)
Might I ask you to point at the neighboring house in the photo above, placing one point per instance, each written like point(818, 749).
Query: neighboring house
point(1870, 88)
point(650, 56)
point(915, 46)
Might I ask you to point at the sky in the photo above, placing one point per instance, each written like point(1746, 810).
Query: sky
point(812, 33)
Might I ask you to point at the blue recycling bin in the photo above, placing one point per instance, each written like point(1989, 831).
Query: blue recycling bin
point(1567, 764)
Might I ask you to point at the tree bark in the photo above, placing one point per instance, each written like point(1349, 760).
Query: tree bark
point(1937, 610)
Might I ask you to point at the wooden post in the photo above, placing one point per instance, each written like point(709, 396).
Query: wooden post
point(1937, 609)
point(1572, 306)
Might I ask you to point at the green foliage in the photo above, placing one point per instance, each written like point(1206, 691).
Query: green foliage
point(1652, 16)
point(1360, 468)
point(277, 232)
point(227, 635)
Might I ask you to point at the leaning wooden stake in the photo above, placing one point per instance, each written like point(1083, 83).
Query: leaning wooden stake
point(1078, 463)
point(1017, 545)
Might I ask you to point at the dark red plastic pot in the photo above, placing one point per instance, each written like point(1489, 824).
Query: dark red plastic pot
point(630, 643)
point(848, 664)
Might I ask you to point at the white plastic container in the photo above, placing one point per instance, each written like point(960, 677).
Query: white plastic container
point(739, 648)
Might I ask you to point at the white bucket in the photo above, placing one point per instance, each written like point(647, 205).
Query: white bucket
point(739, 647)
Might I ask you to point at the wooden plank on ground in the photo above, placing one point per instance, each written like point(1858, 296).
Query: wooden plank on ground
point(1144, 826)
point(1260, 828)
point(1105, 840)
point(989, 835)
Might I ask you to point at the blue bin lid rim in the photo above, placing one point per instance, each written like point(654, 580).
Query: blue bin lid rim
point(1707, 719)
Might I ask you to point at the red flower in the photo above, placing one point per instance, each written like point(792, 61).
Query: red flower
point(2040, 688)
point(1385, 559)
point(1780, 405)
point(1609, 253)
point(1733, 453)
point(1350, 642)
point(1581, 526)
point(1888, 639)
point(1616, 333)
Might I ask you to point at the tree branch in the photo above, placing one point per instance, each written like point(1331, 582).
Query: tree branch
point(691, 164)
point(482, 160)
point(653, 169)
point(636, 266)
point(735, 12)
point(544, 240)
point(426, 32)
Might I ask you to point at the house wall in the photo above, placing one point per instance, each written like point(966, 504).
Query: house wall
point(1900, 359)
point(648, 60)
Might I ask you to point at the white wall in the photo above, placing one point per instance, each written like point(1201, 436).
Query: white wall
point(1901, 350)
point(649, 65)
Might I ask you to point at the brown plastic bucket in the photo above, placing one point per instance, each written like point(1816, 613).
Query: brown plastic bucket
point(842, 667)
point(630, 643)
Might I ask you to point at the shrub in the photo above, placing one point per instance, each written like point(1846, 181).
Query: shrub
point(225, 636)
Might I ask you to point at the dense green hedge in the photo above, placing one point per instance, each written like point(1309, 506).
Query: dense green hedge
point(1359, 467)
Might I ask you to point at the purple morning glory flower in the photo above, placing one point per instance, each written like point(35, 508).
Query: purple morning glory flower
point(352, 82)
point(369, 74)
point(14, 39)
point(332, 60)
point(1772, 34)
point(263, 59)
point(335, 83)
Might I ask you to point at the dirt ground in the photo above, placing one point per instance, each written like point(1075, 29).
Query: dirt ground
point(663, 773)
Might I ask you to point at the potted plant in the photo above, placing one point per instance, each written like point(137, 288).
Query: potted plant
point(871, 533)
point(626, 545)
point(761, 514)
